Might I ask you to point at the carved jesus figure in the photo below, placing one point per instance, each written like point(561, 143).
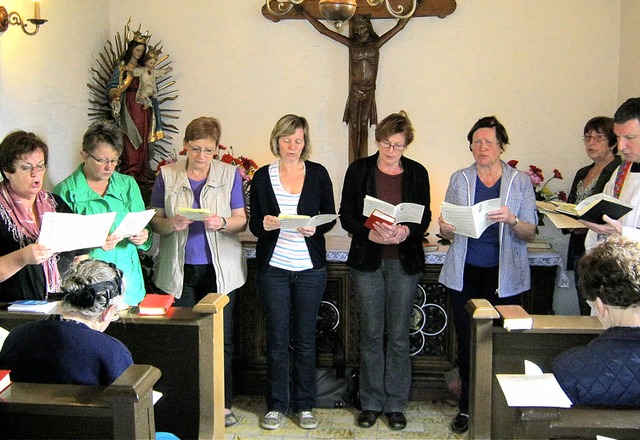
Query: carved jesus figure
point(364, 55)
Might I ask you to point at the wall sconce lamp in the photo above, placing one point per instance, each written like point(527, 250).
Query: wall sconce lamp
point(7, 18)
point(342, 10)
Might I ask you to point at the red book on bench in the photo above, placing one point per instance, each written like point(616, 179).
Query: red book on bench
point(5, 380)
point(155, 304)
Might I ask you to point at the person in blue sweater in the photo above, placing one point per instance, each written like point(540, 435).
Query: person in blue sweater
point(70, 347)
point(607, 371)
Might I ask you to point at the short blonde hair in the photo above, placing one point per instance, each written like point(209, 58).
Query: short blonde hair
point(286, 126)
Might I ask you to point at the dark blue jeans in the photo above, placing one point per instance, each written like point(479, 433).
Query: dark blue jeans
point(478, 282)
point(385, 300)
point(199, 281)
point(291, 302)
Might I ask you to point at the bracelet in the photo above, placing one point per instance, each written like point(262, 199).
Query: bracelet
point(516, 222)
point(224, 224)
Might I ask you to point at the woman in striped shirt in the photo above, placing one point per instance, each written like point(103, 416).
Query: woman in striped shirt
point(292, 273)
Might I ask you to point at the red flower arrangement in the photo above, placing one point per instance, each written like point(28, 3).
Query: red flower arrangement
point(245, 165)
point(537, 179)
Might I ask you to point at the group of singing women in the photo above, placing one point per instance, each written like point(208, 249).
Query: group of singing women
point(198, 257)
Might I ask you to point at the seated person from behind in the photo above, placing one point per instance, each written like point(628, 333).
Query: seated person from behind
point(607, 371)
point(70, 347)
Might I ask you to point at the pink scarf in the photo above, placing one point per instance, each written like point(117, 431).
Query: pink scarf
point(24, 226)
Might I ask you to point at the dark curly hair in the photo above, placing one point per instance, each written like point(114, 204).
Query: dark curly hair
point(611, 272)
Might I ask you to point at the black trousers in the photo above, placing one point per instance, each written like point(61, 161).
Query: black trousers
point(478, 282)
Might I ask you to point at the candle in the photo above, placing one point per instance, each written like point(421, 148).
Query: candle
point(36, 9)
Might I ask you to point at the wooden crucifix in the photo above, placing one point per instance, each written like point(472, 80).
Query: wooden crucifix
point(364, 55)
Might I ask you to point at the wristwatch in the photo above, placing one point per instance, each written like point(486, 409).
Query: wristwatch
point(224, 224)
point(513, 225)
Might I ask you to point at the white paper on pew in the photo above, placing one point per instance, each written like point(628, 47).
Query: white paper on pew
point(155, 396)
point(134, 222)
point(534, 388)
point(67, 232)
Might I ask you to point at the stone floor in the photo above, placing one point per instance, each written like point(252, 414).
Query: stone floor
point(426, 420)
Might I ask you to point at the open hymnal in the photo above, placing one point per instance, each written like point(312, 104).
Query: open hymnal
point(293, 222)
point(594, 207)
point(67, 232)
point(134, 222)
point(533, 388)
point(405, 212)
point(470, 221)
point(379, 217)
point(195, 214)
point(591, 209)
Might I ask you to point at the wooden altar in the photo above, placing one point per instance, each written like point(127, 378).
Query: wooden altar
point(432, 339)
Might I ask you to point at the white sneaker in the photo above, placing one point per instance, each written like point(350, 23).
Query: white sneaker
point(307, 420)
point(272, 420)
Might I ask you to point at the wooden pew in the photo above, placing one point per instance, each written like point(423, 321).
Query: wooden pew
point(578, 422)
point(495, 351)
point(212, 404)
point(187, 345)
point(123, 410)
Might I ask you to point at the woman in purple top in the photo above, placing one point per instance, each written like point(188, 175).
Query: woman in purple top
point(200, 255)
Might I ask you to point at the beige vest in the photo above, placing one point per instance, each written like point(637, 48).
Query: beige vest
point(226, 249)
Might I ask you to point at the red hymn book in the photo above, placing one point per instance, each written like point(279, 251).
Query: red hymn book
point(5, 380)
point(379, 216)
point(155, 304)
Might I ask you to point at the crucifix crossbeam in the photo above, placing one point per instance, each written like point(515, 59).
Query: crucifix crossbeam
point(364, 52)
point(427, 8)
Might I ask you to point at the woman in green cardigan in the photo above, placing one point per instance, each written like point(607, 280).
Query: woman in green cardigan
point(95, 187)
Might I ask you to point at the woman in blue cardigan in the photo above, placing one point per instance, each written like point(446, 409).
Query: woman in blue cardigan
point(292, 273)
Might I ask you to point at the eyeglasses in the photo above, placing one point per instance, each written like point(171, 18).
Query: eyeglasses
point(480, 142)
point(599, 138)
point(104, 162)
point(206, 151)
point(27, 168)
point(397, 147)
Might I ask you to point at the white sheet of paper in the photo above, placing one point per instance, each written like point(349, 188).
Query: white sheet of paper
point(293, 223)
point(470, 221)
point(155, 396)
point(534, 388)
point(134, 222)
point(67, 232)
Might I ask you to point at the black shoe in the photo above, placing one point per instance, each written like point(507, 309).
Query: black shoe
point(397, 420)
point(367, 418)
point(460, 424)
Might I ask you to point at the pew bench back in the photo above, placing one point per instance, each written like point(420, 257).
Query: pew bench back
point(123, 410)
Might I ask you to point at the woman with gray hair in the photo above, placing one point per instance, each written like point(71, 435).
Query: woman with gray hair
point(70, 347)
point(96, 187)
